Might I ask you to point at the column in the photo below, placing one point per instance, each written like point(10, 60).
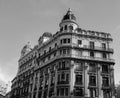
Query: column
point(33, 85)
point(55, 79)
point(38, 84)
point(86, 80)
point(112, 81)
point(72, 79)
point(99, 81)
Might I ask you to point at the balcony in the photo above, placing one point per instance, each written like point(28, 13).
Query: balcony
point(97, 59)
point(62, 82)
point(106, 86)
point(88, 47)
point(92, 85)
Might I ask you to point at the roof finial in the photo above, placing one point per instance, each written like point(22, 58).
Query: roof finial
point(69, 10)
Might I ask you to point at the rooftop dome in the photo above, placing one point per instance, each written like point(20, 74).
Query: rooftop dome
point(69, 16)
point(47, 34)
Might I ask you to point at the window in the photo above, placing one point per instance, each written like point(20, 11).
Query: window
point(61, 29)
point(92, 67)
point(92, 80)
point(51, 92)
point(105, 81)
point(40, 94)
point(68, 40)
point(104, 55)
point(91, 54)
point(103, 46)
point(44, 51)
point(58, 77)
point(55, 44)
point(62, 91)
point(49, 57)
point(71, 27)
point(105, 68)
point(67, 78)
point(78, 79)
point(106, 94)
point(63, 64)
point(55, 54)
point(52, 79)
point(78, 91)
point(49, 49)
point(79, 66)
point(64, 41)
point(61, 41)
point(58, 91)
point(64, 51)
point(79, 42)
point(65, 27)
point(63, 76)
point(91, 45)
point(66, 91)
point(93, 93)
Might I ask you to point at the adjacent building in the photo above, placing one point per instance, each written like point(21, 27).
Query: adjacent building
point(72, 63)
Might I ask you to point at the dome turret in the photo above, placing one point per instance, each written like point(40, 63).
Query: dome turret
point(68, 22)
point(69, 16)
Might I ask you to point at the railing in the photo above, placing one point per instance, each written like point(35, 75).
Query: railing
point(93, 48)
point(78, 57)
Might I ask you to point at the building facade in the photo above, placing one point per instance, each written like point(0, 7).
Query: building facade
point(73, 63)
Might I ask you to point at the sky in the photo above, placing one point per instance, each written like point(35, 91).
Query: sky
point(22, 21)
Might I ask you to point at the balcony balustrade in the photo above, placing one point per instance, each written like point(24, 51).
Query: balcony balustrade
point(78, 57)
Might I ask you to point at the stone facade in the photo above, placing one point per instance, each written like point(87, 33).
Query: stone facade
point(73, 63)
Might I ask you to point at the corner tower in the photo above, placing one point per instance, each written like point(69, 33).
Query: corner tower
point(68, 23)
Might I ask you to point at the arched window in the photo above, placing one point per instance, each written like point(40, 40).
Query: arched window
point(61, 29)
point(65, 27)
point(71, 27)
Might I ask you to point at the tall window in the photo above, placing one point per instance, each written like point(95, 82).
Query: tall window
point(91, 54)
point(62, 91)
point(105, 81)
point(106, 94)
point(78, 91)
point(78, 79)
point(79, 42)
point(93, 93)
point(49, 48)
point(91, 45)
point(79, 66)
point(63, 78)
point(92, 67)
point(104, 55)
point(64, 40)
point(105, 68)
point(65, 27)
point(68, 40)
point(92, 80)
point(71, 27)
point(103, 46)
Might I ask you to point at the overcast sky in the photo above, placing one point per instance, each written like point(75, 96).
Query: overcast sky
point(25, 20)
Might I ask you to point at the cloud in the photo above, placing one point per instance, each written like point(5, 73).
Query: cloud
point(116, 55)
point(8, 70)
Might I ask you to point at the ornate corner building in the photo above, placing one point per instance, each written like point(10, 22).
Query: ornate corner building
point(73, 63)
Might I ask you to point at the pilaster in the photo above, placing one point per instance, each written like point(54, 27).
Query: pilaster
point(86, 80)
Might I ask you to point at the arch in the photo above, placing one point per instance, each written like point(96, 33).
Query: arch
point(65, 28)
point(70, 27)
